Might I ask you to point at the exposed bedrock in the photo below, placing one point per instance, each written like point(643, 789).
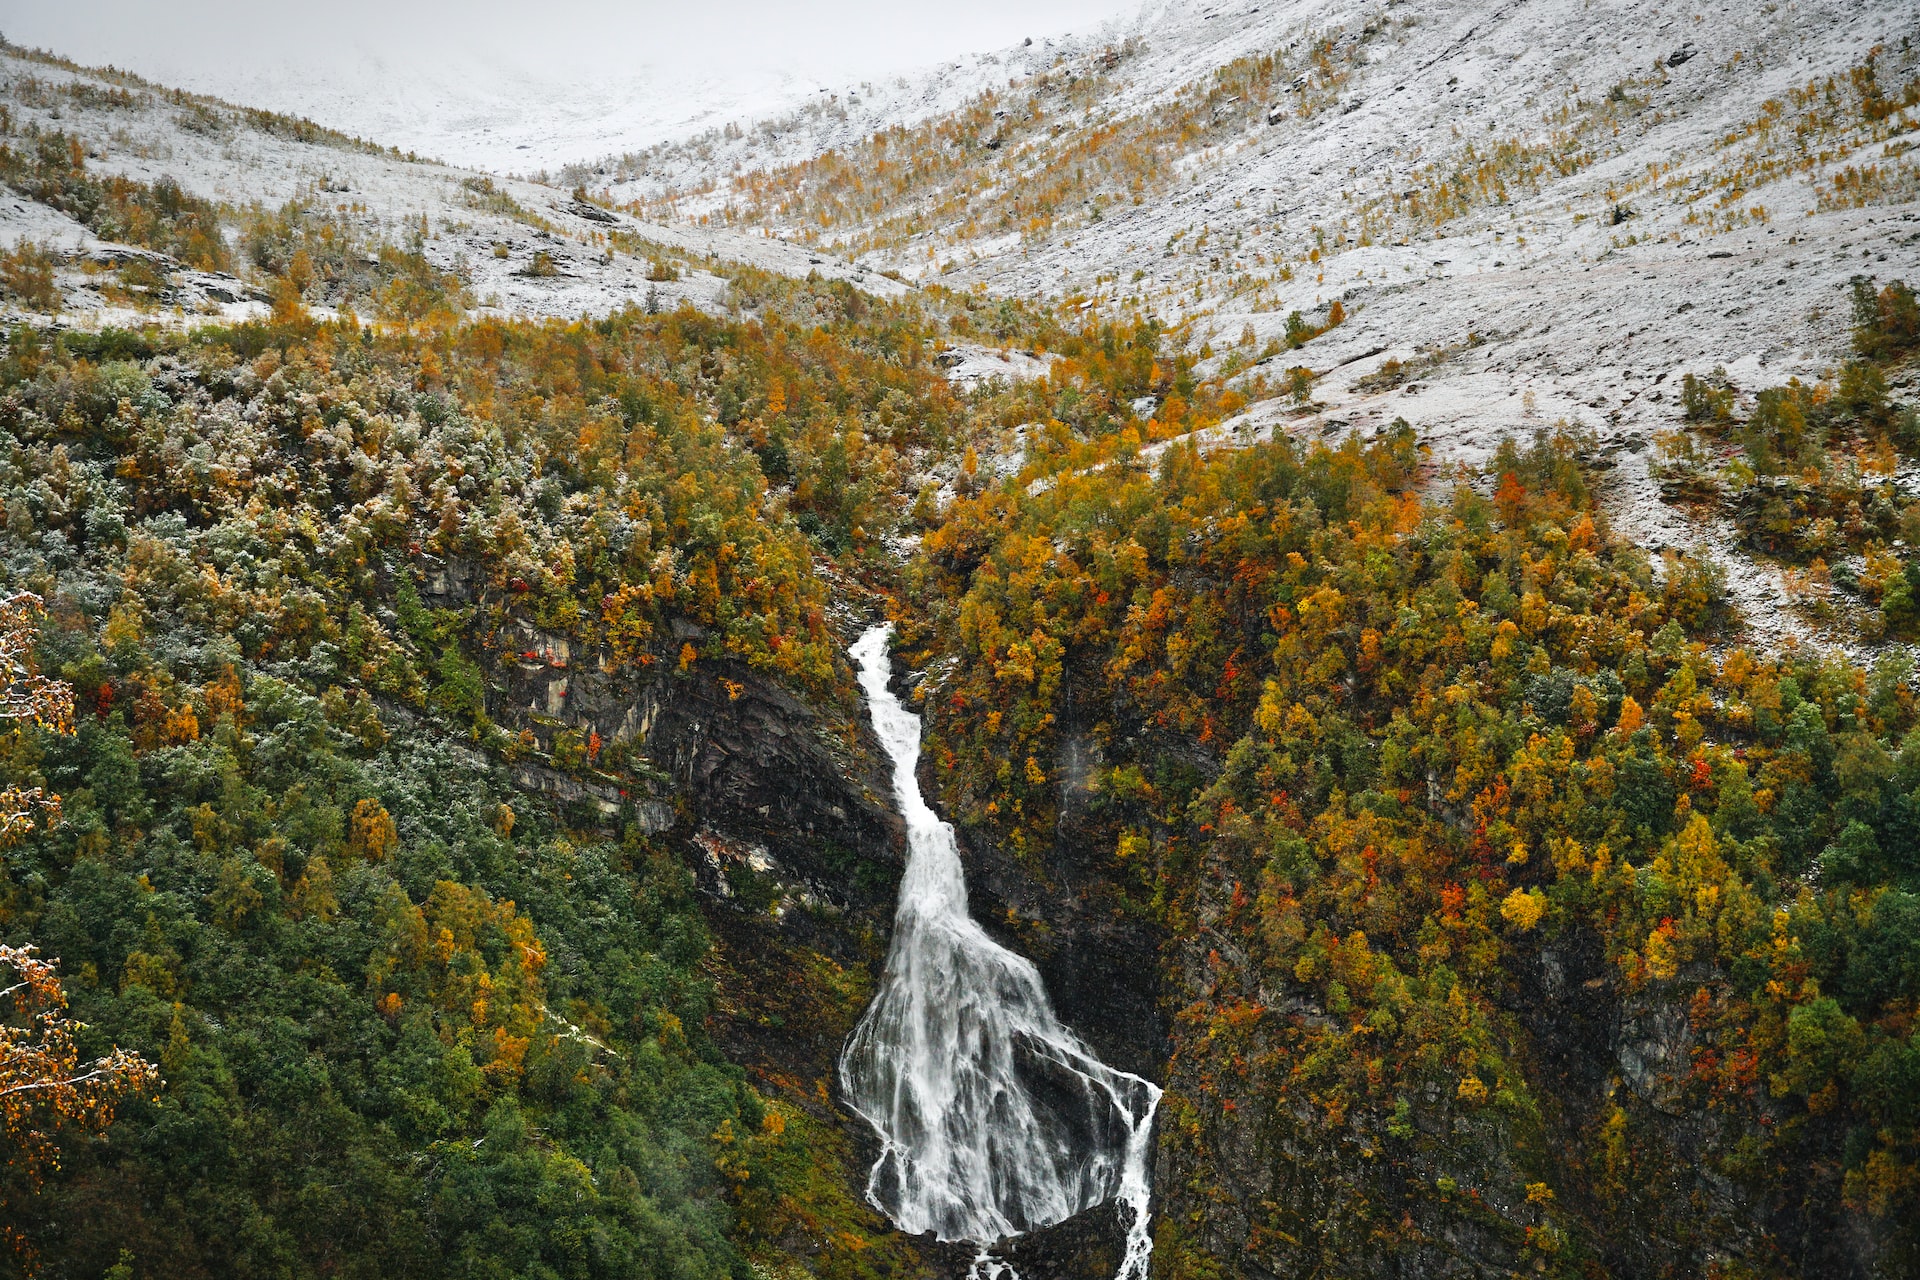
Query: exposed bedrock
point(1100, 961)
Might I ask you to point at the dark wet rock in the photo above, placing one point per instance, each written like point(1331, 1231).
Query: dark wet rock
point(776, 786)
point(1099, 960)
point(1654, 1050)
point(1087, 1246)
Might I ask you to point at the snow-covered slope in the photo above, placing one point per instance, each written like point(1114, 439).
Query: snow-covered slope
point(1550, 210)
point(488, 229)
point(1530, 213)
point(833, 116)
point(510, 119)
point(507, 89)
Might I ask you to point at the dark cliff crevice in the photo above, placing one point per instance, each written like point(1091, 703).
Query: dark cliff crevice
point(1098, 955)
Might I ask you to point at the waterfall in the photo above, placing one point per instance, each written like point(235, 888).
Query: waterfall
point(994, 1119)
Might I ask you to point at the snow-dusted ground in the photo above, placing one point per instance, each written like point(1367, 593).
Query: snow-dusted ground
point(829, 117)
point(1634, 192)
point(1723, 253)
point(510, 119)
point(517, 90)
point(217, 153)
point(514, 121)
point(969, 365)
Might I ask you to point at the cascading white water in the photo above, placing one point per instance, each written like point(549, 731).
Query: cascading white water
point(994, 1119)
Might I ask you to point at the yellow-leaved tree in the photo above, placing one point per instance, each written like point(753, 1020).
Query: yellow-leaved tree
point(44, 1085)
point(26, 695)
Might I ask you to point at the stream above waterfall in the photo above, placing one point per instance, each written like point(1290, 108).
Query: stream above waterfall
point(994, 1118)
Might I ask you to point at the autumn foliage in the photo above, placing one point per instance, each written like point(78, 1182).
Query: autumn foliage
point(1370, 758)
point(45, 1087)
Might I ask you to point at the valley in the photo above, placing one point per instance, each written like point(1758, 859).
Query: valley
point(1272, 639)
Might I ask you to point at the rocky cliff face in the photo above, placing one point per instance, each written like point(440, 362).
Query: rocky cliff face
point(764, 781)
point(773, 795)
point(1099, 958)
point(783, 809)
point(1099, 955)
point(1651, 1181)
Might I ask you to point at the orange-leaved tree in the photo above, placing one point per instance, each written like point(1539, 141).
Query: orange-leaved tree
point(44, 1085)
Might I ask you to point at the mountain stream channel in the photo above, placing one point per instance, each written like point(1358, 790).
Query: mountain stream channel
point(994, 1119)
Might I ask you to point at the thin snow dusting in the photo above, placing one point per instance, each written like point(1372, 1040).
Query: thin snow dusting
point(488, 228)
point(968, 364)
point(1531, 214)
point(1622, 216)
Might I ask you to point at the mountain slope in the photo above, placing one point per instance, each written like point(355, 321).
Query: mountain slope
point(516, 247)
point(470, 811)
point(1552, 212)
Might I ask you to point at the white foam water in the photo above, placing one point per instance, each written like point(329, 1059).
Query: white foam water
point(994, 1119)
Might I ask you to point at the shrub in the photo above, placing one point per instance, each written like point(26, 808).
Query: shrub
point(1886, 324)
point(28, 273)
point(160, 215)
point(1708, 399)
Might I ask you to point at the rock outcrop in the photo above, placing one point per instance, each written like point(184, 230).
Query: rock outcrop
point(762, 785)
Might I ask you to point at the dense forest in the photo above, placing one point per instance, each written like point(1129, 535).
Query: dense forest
point(408, 1021)
point(1427, 779)
point(1410, 772)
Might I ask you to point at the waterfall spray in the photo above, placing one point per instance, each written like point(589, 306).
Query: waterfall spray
point(994, 1119)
